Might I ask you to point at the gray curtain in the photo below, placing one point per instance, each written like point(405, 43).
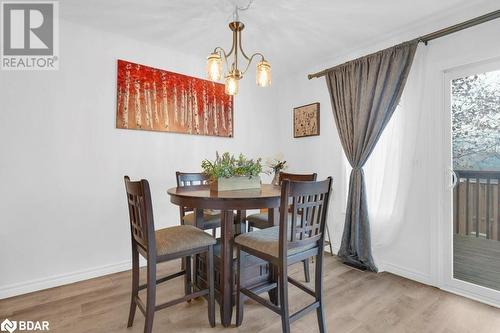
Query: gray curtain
point(364, 94)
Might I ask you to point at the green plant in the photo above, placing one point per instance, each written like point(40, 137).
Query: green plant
point(226, 166)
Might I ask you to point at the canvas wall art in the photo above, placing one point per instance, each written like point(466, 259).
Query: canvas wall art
point(306, 120)
point(157, 100)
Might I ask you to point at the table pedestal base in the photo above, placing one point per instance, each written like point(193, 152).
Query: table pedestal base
point(255, 272)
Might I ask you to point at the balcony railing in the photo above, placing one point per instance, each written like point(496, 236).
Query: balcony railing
point(476, 203)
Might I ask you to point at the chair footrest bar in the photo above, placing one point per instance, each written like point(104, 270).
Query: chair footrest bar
point(182, 299)
point(163, 279)
point(261, 288)
point(302, 287)
point(304, 311)
point(261, 300)
point(140, 305)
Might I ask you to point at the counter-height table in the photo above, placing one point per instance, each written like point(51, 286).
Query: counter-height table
point(200, 198)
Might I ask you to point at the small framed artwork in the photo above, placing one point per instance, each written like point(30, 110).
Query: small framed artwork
point(306, 120)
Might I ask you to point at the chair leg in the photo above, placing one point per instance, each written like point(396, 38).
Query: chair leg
point(329, 240)
point(211, 286)
point(151, 297)
point(241, 220)
point(283, 294)
point(239, 294)
point(318, 286)
point(273, 294)
point(307, 274)
point(135, 285)
point(188, 277)
point(183, 260)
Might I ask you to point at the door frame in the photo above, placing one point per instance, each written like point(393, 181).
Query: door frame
point(446, 280)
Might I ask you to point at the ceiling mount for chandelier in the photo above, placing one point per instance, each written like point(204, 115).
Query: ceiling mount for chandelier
point(233, 72)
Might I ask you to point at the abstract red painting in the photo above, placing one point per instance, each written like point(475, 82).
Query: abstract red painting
point(157, 100)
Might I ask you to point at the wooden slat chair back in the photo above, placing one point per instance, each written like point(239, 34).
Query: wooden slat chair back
point(191, 179)
point(140, 213)
point(185, 179)
point(308, 177)
point(308, 212)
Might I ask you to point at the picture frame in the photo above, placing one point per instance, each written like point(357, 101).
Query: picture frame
point(306, 120)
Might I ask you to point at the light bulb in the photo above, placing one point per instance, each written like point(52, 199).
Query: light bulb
point(263, 74)
point(214, 67)
point(231, 85)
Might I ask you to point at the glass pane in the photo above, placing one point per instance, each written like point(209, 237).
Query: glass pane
point(476, 163)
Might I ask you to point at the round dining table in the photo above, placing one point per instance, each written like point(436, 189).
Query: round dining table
point(200, 197)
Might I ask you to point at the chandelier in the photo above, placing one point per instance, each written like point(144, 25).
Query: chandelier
point(231, 59)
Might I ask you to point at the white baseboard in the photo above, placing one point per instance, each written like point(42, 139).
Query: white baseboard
point(404, 272)
point(62, 279)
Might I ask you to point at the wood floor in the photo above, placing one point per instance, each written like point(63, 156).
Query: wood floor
point(355, 302)
point(476, 260)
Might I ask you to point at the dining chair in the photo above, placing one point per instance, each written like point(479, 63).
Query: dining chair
point(287, 244)
point(261, 220)
point(208, 219)
point(182, 241)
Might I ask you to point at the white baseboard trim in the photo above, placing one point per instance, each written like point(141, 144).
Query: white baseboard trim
point(404, 272)
point(62, 279)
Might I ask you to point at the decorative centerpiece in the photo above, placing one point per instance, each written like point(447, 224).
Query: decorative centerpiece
point(276, 165)
point(230, 173)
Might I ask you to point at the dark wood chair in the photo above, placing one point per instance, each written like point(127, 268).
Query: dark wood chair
point(166, 244)
point(206, 219)
point(287, 244)
point(261, 220)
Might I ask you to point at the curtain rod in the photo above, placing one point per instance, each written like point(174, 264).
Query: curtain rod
point(436, 34)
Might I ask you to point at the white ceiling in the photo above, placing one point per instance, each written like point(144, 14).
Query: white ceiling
point(292, 34)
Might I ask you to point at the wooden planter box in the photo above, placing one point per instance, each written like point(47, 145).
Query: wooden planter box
point(235, 183)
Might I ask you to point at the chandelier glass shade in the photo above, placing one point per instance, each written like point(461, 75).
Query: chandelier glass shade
point(219, 57)
point(263, 74)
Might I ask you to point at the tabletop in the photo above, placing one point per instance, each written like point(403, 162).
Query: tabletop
point(201, 196)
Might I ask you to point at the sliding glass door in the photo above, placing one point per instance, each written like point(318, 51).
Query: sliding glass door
point(473, 107)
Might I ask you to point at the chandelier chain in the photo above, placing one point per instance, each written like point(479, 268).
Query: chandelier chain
point(237, 9)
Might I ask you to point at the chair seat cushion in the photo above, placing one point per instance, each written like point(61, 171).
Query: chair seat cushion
point(210, 217)
point(181, 238)
point(267, 241)
point(261, 220)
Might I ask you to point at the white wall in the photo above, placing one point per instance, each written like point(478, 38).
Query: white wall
point(64, 214)
point(321, 154)
point(416, 249)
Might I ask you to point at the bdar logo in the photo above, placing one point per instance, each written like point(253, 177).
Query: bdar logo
point(24, 325)
point(8, 325)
